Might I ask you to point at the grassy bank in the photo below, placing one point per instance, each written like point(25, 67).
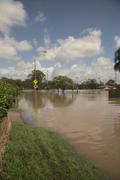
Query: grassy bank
point(34, 153)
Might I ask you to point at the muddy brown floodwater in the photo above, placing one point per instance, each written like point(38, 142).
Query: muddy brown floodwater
point(89, 121)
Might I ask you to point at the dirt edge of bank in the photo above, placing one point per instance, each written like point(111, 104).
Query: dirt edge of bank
point(5, 127)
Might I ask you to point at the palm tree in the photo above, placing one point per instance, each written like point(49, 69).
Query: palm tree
point(117, 60)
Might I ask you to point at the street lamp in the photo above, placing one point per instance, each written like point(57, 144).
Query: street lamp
point(47, 78)
point(35, 67)
point(35, 82)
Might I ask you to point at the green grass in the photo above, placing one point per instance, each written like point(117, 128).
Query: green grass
point(16, 109)
point(34, 153)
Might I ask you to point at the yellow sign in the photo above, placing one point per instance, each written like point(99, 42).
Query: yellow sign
point(35, 86)
point(35, 81)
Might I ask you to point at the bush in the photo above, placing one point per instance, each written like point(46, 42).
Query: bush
point(7, 93)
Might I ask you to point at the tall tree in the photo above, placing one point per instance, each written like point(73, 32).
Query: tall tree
point(37, 74)
point(117, 60)
point(62, 82)
point(90, 84)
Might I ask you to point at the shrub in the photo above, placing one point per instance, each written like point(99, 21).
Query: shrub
point(7, 94)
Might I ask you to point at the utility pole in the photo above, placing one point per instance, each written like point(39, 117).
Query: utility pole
point(35, 67)
point(35, 82)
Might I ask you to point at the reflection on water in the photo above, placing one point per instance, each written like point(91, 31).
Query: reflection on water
point(36, 100)
point(88, 120)
point(61, 100)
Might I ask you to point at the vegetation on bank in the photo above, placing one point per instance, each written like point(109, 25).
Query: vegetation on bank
point(58, 82)
point(63, 82)
point(7, 94)
point(36, 153)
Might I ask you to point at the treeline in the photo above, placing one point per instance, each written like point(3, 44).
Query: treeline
point(7, 95)
point(59, 82)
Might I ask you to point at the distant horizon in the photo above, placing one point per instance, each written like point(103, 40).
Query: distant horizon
point(99, 82)
point(74, 38)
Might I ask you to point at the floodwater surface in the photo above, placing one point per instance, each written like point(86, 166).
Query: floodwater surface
point(89, 121)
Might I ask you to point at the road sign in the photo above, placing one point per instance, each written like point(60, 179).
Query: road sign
point(35, 86)
point(35, 81)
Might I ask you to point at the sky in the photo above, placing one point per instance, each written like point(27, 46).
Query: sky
point(76, 38)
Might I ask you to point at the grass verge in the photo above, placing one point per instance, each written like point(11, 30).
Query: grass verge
point(34, 153)
point(16, 109)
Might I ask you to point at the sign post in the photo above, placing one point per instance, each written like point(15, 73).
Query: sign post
point(35, 84)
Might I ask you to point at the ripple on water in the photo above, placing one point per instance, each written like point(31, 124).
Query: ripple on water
point(89, 121)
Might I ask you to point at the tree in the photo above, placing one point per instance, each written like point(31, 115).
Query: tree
point(39, 75)
point(62, 82)
point(117, 60)
point(28, 84)
point(7, 95)
point(110, 82)
point(14, 82)
point(90, 84)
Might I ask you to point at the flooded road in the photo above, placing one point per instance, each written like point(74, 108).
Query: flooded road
point(88, 120)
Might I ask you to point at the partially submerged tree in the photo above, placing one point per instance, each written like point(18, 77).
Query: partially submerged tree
point(62, 82)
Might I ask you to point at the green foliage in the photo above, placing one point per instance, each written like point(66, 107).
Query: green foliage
point(89, 84)
point(63, 82)
point(35, 153)
point(39, 75)
point(14, 82)
point(117, 60)
point(7, 93)
point(28, 84)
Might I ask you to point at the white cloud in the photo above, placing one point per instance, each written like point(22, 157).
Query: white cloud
point(23, 45)
point(65, 50)
point(78, 72)
point(117, 41)
point(11, 13)
point(103, 61)
point(40, 17)
point(82, 71)
point(20, 71)
point(9, 47)
point(73, 48)
point(100, 69)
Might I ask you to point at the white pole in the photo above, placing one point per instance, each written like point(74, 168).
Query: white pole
point(35, 67)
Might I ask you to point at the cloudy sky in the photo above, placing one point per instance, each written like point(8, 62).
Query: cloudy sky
point(76, 38)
